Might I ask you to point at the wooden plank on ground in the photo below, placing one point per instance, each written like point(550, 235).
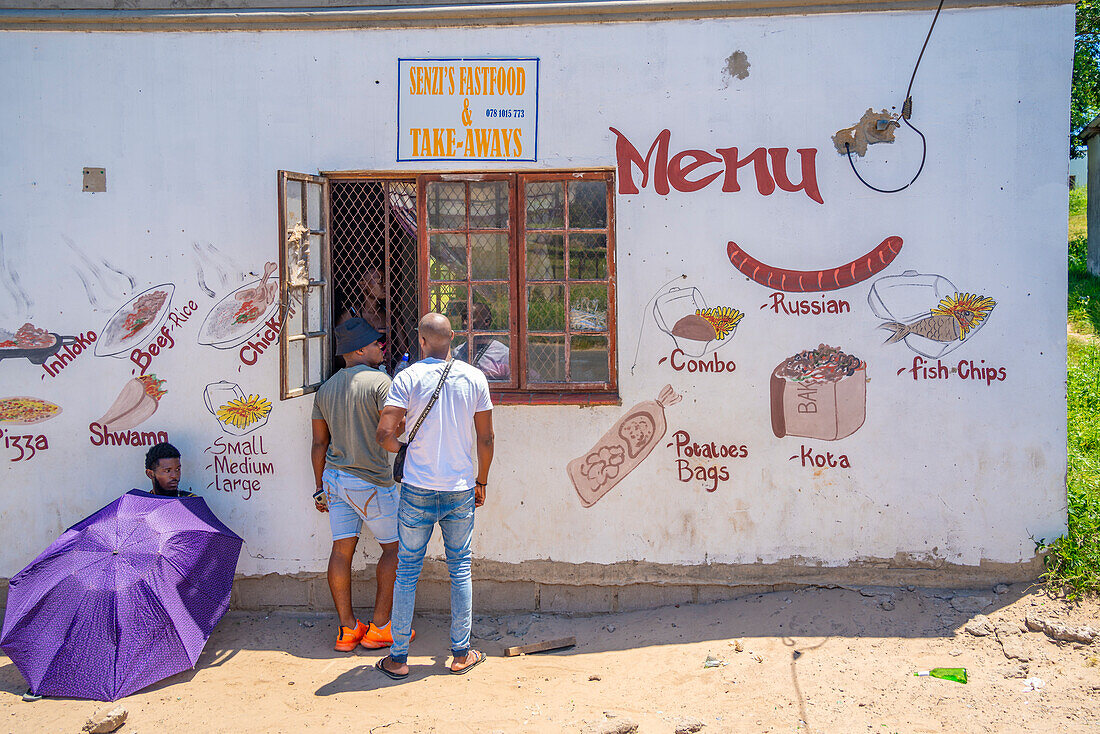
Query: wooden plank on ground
point(540, 646)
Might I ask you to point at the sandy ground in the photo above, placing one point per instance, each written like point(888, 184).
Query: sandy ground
point(812, 660)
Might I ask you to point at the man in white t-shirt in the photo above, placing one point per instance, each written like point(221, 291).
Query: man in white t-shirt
point(442, 484)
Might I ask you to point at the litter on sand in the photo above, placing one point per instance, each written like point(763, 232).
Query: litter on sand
point(1033, 684)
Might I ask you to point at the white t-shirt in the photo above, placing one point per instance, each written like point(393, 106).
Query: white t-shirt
point(441, 456)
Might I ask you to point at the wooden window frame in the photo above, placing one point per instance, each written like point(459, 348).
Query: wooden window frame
point(322, 284)
point(518, 390)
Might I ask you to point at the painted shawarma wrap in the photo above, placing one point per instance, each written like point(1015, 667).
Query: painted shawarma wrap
point(136, 403)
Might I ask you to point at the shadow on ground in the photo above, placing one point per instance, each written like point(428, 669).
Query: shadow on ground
point(815, 616)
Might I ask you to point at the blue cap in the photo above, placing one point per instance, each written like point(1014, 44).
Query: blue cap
point(354, 334)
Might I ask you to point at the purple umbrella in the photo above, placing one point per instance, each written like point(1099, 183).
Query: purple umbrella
point(122, 599)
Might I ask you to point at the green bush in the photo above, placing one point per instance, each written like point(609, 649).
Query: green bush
point(1083, 304)
point(1078, 252)
point(1078, 201)
point(1073, 561)
point(1078, 230)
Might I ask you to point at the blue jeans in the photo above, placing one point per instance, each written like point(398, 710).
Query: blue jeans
point(419, 511)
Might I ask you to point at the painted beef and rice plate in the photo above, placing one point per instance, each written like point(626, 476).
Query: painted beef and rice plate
point(135, 322)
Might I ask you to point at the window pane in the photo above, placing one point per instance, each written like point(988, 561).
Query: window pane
point(449, 300)
point(315, 375)
point(545, 256)
point(296, 316)
point(313, 296)
point(587, 204)
point(490, 354)
point(545, 308)
point(489, 256)
point(448, 257)
point(459, 344)
point(313, 206)
point(293, 203)
point(446, 203)
point(316, 252)
point(489, 205)
point(546, 358)
point(588, 307)
point(295, 377)
point(492, 307)
point(587, 256)
point(545, 208)
point(588, 359)
point(493, 356)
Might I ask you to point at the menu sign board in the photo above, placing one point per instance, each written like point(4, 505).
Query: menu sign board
point(482, 109)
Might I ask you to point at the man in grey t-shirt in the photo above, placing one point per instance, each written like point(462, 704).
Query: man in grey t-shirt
point(354, 478)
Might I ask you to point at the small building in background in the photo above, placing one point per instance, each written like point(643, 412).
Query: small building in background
point(1090, 138)
point(1078, 172)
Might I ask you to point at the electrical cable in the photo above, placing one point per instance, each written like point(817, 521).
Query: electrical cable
point(906, 113)
point(645, 315)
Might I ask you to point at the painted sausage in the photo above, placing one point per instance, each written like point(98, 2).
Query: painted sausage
point(621, 449)
point(802, 281)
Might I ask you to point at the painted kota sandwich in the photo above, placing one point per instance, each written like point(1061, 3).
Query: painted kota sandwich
point(819, 393)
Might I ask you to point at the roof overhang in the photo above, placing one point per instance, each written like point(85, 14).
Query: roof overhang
point(148, 17)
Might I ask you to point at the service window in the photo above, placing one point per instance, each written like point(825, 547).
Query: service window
point(523, 265)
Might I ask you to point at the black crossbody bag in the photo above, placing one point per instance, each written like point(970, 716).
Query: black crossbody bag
point(399, 460)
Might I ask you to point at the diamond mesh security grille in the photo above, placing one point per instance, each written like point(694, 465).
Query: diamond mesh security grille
point(374, 259)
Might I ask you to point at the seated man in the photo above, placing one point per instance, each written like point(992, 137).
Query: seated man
point(162, 466)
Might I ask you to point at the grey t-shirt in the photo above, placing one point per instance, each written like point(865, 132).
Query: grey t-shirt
point(350, 402)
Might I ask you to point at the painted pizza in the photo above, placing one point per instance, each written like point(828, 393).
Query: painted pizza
point(24, 411)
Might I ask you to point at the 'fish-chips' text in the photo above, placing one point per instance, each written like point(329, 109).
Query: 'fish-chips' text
point(966, 369)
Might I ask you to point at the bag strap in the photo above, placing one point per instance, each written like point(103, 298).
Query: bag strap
point(481, 352)
point(431, 402)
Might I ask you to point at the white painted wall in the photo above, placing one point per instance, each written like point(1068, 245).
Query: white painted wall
point(192, 128)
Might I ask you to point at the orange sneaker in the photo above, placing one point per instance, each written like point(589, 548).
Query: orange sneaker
point(349, 638)
point(377, 637)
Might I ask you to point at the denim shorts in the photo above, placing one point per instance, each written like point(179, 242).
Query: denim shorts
point(353, 501)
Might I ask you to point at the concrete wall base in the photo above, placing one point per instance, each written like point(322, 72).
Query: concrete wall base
point(547, 586)
point(589, 588)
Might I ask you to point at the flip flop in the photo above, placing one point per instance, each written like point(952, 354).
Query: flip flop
point(388, 673)
point(479, 657)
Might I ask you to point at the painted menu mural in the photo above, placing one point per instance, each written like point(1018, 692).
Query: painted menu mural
point(780, 348)
point(814, 396)
point(143, 331)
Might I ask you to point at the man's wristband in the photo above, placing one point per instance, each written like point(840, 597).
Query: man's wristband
point(481, 484)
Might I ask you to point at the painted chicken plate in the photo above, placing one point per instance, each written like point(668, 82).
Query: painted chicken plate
point(136, 322)
point(240, 314)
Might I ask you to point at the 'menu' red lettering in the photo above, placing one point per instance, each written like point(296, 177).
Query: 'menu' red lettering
point(692, 170)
